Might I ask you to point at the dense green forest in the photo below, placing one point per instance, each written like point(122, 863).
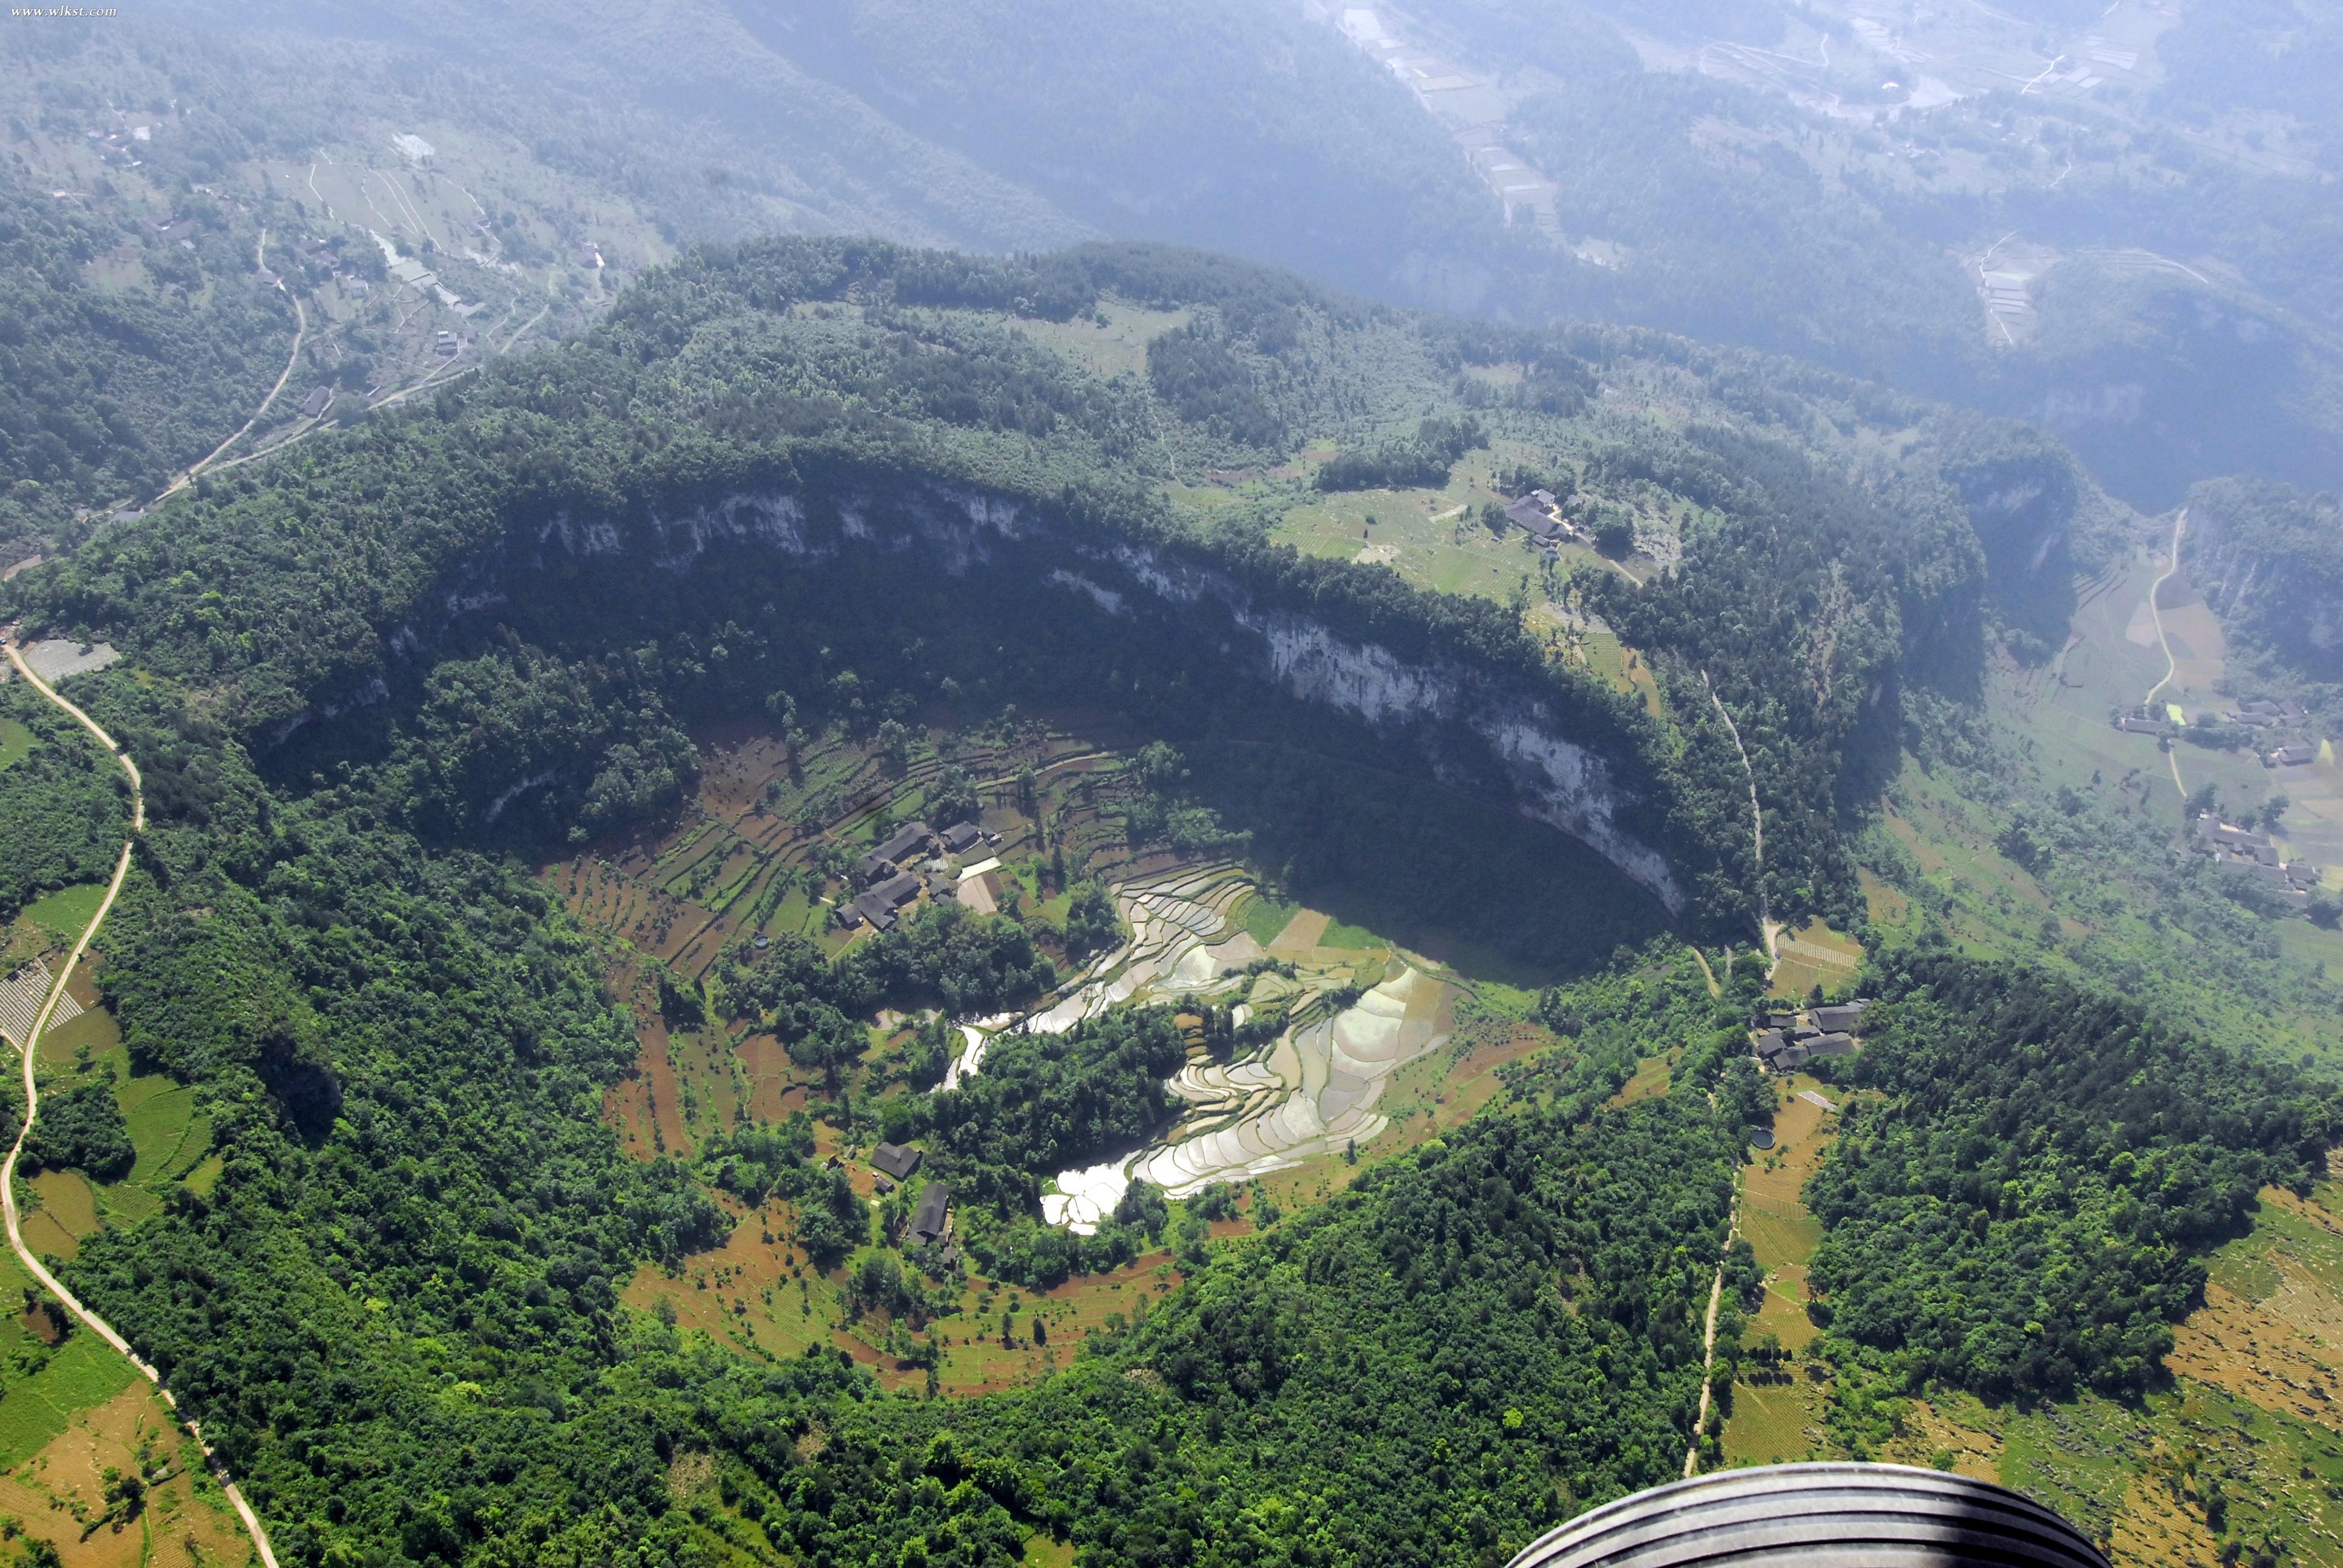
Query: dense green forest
point(830, 371)
point(2024, 1212)
point(61, 807)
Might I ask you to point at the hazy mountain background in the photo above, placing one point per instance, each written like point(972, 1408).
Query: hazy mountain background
point(2153, 189)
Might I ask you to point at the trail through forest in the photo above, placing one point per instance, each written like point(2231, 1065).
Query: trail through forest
point(25, 1255)
point(1766, 925)
point(1708, 1335)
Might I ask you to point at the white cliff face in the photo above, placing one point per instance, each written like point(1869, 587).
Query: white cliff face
point(1312, 663)
point(1569, 790)
point(956, 529)
point(775, 520)
point(1560, 783)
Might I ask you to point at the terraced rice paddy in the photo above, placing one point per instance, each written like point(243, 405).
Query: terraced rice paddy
point(1311, 1090)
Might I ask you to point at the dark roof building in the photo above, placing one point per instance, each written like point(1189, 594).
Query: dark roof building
point(927, 1223)
point(897, 1160)
point(2293, 756)
point(960, 836)
point(906, 840)
point(1770, 1041)
point(1848, 1018)
point(1526, 514)
point(878, 905)
point(1831, 1045)
point(319, 400)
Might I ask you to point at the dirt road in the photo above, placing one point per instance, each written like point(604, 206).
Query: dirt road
point(32, 1264)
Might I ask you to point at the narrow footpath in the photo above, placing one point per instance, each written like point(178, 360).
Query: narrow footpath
point(32, 1264)
point(1771, 933)
point(1766, 925)
point(1708, 1334)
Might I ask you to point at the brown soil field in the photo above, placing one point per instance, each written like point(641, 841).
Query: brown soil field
point(2271, 1328)
point(1781, 1419)
point(1650, 1082)
point(60, 1495)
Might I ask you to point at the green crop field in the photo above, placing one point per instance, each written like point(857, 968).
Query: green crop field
point(163, 1126)
point(27, 1422)
point(84, 1372)
point(15, 741)
point(65, 913)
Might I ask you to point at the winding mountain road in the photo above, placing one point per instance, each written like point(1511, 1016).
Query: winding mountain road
point(25, 1255)
point(292, 360)
point(2171, 665)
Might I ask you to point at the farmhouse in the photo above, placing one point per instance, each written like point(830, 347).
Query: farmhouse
point(2252, 855)
point(1530, 515)
point(878, 905)
point(316, 402)
point(960, 838)
point(1845, 1019)
point(2291, 756)
point(886, 859)
point(897, 1160)
point(927, 1224)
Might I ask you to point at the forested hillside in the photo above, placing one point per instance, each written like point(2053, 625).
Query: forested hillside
point(2162, 238)
point(2032, 1133)
point(845, 497)
point(104, 393)
point(753, 398)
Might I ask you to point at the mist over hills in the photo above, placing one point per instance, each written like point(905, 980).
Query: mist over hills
point(1710, 171)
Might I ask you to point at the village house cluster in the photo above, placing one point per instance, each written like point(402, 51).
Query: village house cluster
point(911, 862)
point(2282, 737)
point(1787, 1041)
point(2254, 855)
